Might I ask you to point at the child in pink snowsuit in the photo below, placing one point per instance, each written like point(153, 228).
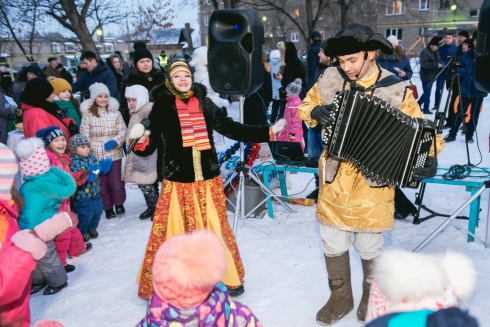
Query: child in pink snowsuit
point(293, 132)
point(70, 242)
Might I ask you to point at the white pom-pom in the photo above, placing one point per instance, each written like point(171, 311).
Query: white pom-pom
point(298, 81)
point(27, 147)
point(462, 274)
point(137, 131)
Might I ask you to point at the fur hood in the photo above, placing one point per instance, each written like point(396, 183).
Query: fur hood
point(113, 105)
point(56, 184)
point(404, 276)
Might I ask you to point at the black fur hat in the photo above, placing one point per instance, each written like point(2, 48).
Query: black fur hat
point(356, 38)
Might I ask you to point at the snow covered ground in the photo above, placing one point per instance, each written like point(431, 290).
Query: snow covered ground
point(286, 280)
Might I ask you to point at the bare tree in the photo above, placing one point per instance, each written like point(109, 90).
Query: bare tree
point(19, 16)
point(150, 17)
point(78, 15)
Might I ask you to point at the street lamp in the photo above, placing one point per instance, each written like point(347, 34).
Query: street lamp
point(453, 9)
point(264, 19)
point(100, 33)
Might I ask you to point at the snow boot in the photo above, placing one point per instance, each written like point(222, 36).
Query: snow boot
point(69, 268)
point(93, 233)
point(120, 209)
point(234, 292)
point(367, 266)
point(150, 192)
point(341, 300)
point(109, 214)
point(53, 290)
point(37, 287)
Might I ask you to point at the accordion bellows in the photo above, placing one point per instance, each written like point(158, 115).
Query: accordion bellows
point(385, 144)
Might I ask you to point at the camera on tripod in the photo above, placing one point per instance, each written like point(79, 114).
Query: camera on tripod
point(453, 63)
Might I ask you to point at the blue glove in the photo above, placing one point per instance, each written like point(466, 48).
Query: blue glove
point(93, 170)
point(110, 145)
point(105, 165)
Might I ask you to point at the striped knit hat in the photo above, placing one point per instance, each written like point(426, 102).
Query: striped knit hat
point(8, 169)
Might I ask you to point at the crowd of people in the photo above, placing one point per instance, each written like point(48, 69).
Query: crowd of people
point(161, 122)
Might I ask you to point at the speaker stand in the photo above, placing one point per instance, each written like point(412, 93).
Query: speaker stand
point(241, 169)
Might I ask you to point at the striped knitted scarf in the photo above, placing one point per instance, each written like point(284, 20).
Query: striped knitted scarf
point(192, 124)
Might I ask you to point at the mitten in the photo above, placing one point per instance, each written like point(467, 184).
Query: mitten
point(93, 170)
point(323, 114)
point(278, 126)
point(59, 223)
point(105, 165)
point(80, 177)
point(429, 170)
point(110, 145)
point(28, 241)
point(19, 112)
point(137, 131)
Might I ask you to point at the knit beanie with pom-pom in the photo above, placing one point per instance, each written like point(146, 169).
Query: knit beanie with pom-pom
point(96, 89)
point(33, 158)
point(187, 267)
point(294, 88)
point(8, 170)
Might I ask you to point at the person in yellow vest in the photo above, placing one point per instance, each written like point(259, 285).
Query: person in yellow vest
point(163, 59)
point(349, 202)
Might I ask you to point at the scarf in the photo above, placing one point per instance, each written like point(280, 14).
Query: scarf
point(177, 93)
point(192, 124)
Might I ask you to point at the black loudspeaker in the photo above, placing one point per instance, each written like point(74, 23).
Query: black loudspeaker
point(235, 44)
point(482, 51)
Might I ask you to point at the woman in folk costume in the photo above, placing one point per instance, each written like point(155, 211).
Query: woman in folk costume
point(192, 196)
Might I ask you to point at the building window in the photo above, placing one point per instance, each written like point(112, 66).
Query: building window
point(109, 47)
point(99, 47)
point(294, 36)
point(423, 31)
point(398, 32)
point(395, 8)
point(424, 4)
point(69, 47)
point(206, 20)
point(56, 47)
point(474, 12)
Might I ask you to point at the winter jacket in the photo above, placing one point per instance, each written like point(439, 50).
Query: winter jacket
point(100, 74)
point(50, 71)
point(99, 130)
point(63, 164)
point(117, 73)
point(255, 105)
point(447, 51)
point(136, 77)
point(15, 271)
point(293, 131)
point(68, 107)
point(89, 189)
point(178, 162)
point(466, 71)
point(453, 317)
point(16, 89)
point(348, 202)
point(217, 310)
point(276, 84)
point(429, 64)
point(35, 118)
point(6, 112)
point(44, 194)
point(140, 170)
point(312, 61)
point(389, 62)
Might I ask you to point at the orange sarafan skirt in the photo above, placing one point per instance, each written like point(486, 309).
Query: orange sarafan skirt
point(186, 207)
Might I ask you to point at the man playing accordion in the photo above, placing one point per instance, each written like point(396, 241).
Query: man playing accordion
point(348, 202)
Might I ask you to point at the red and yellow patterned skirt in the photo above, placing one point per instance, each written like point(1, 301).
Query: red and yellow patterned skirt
point(185, 207)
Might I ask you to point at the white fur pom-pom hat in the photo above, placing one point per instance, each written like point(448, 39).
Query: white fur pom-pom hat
point(33, 159)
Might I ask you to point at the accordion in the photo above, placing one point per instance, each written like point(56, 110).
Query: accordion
point(385, 144)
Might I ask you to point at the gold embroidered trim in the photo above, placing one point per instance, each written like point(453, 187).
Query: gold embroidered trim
point(196, 160)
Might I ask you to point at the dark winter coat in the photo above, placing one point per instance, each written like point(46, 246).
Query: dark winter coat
point(292, 71)
point(165, 127)
point(312, 61)
point(453, 317)
point(117, 74)
point(101, 74)
point(466, 71)
point(50, 71)
point(429, 64)
point(447, 51)
point(6, 112)
point(67, 76)
point(389, 62)
point(255, 106)
point(18, 85)
point(136, 77)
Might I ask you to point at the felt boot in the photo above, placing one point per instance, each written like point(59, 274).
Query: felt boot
point(367, 266)
point(341, 300)
point(150, 192)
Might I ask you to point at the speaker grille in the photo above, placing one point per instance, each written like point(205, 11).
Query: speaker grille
point(228, 68)
point(248, 42)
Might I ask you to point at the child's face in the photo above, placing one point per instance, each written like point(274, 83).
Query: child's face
point(58, 145)
point(83, 151)
point(102, 100)
point(65, 95)
point(132, 103)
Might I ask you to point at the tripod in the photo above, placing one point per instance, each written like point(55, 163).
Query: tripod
point(439, 120)
point(241, 170)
